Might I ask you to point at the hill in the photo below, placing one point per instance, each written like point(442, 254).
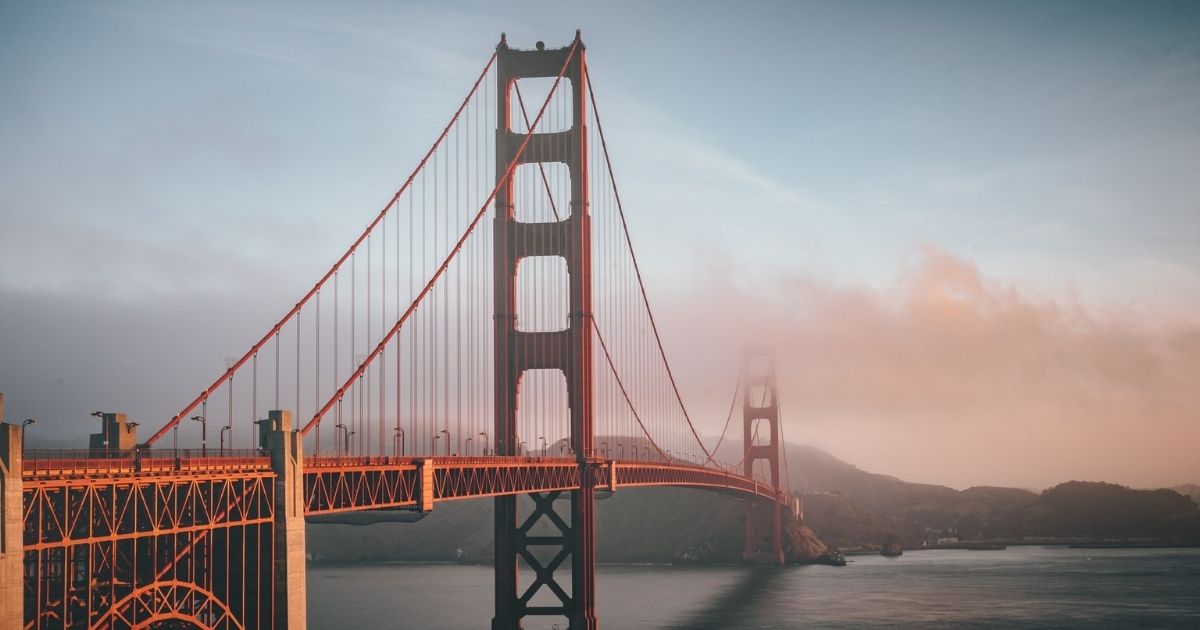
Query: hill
point(1191, 490)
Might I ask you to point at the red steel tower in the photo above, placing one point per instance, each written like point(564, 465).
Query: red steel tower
point(569, 350)
point(759, 383)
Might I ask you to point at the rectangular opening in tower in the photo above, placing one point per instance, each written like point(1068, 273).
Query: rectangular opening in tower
point(760, 432)
point(543, 414)
point(542, 192)
point(532, 92)
point(543, 294)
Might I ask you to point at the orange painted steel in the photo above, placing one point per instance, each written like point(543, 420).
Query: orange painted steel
point(107, 545)
point(169, 600)
point(343, 484)
point(109, 538)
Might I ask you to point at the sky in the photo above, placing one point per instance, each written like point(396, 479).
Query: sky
point(970, 230)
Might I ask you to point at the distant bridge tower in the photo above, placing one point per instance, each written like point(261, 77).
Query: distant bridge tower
point(567, 350)
point(760, 405)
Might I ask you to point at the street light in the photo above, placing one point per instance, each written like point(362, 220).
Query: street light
point(223, 430)
point(467, 442)
point(348, 434)
point(433, 444)
point(484, 435)
point(203, 433)
point(605, 445)
point(399, 439)
point(447, 432)
point(339, 427)
point(26, 423)
point(545, 445)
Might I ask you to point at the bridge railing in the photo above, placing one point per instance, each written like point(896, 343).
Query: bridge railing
point(86, 462)
point(312, 462)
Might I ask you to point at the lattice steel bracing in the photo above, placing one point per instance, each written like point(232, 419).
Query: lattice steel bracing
point(125, 550)
point(347, 484)
point(569, 350)
point(760, 405)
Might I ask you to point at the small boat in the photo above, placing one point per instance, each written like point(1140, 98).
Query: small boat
point(832, 557)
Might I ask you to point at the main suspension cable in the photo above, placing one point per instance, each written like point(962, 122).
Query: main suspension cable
point(637, 270)
point(337, 396)
point(334, 269)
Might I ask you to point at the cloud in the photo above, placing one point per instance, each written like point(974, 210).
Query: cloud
point(949, 376)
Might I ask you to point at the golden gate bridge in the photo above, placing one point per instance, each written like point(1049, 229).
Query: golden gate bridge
point(488, 334)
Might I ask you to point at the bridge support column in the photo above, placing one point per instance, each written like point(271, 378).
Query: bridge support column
point(12, 585)
point(763, 410)
point(569, 350)
point(287, 457)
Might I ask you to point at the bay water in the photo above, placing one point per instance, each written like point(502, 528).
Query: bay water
point(1021, 587)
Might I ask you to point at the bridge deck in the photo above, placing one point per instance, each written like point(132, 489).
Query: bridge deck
point(67, 493)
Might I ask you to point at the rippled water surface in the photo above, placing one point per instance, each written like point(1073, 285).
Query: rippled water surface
point(1028, 587)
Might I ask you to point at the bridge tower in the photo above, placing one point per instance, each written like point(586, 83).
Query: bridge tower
point(569, 350)
point(760, 404)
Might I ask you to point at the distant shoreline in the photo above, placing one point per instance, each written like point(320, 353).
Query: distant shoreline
point(1000, 546)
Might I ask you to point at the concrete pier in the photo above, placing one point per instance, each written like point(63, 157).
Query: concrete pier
point(286, 447)
point(12, 589)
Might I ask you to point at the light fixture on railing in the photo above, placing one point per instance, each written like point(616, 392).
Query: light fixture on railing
point(24, 425)
point(203, 433)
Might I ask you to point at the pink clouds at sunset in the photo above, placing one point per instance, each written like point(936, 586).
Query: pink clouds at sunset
point(950, 376)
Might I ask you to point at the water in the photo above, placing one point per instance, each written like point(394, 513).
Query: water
point(1026, 587)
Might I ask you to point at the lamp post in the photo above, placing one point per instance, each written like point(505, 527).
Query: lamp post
point(223, 430)
point(348, 434)
point(24, 426)
point(545, 445)
point(398, 440)
point(433, 444)
point(467, 442)
point(604, 446)
point(484, 435)
point(447, 434)
point(203, 433)
point(336, 442)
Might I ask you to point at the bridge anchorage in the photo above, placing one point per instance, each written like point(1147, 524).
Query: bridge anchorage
point(418, 393)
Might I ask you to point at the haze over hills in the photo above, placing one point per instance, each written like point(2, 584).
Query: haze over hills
point(1190, 489)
